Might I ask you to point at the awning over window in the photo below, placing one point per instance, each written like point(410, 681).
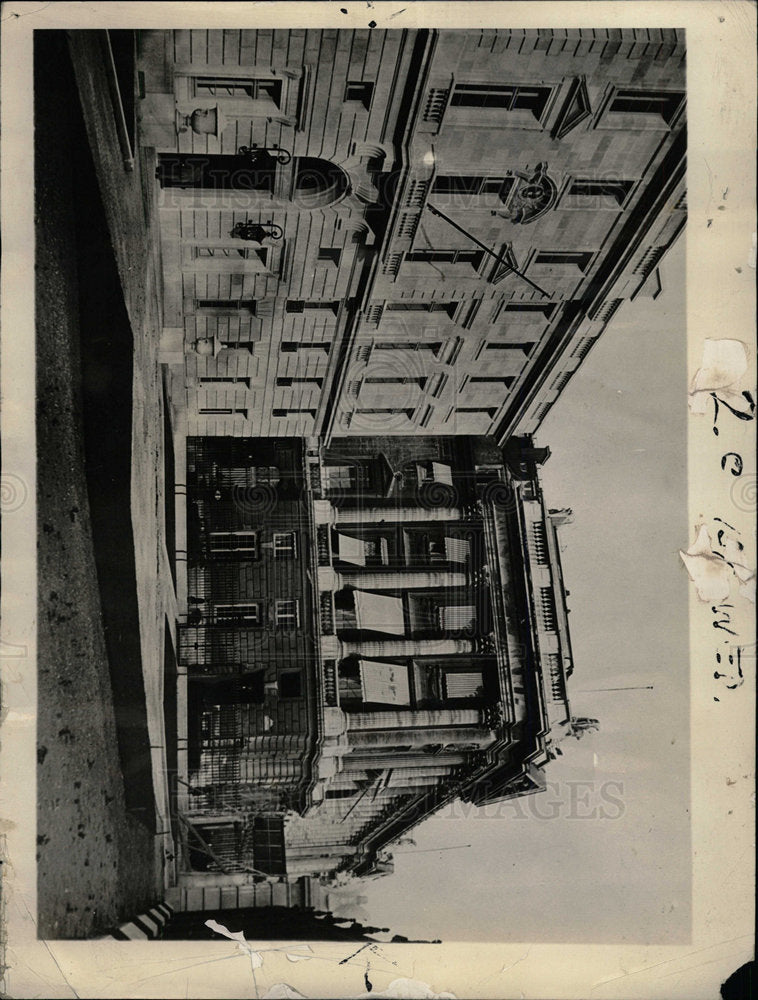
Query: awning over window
point(352, 549)
point(379, 612)
point(385, 683)
point(438, 473)
point(457, 550)
point(442, 473)
point(463, 685)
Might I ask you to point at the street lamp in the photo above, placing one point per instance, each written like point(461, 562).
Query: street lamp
point(260, 154)
point(257, 232)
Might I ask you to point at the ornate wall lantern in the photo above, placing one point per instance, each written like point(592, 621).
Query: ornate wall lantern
point(262, 155)
point(257, 232)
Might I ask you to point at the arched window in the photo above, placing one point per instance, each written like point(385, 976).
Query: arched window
point(317, 182)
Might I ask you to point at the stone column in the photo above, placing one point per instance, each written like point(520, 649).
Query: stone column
point(394, 515)
point(402, 579)
point(406, 718)
point(383, 738)
point(355, 762)
point(410, 647)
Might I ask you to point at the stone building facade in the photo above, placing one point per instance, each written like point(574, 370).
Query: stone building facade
point(404, 232)
point(373, 628)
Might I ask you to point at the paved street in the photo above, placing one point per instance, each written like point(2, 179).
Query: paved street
point(105, 592)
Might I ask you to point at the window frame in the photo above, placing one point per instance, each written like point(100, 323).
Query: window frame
point(290, 673)
point(580, 260)
point(288, 551)
point(285, 617)
point(242, 617)
point(222, 411)
point(503, 97)
point(473, 185)
point(363, 92)
point(469, 256)
point(253, 533)
point(251, 88)
point(356, 474)
point(640, 120)
point(605, 202)
point(329, 255)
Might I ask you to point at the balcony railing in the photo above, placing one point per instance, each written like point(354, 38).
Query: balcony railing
point(326, 612)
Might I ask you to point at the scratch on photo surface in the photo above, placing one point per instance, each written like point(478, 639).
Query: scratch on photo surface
point(52, 955)
point(668, 961)
point(14, 14)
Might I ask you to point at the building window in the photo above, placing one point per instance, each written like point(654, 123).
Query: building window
point(525, 347)
point(224, 542)
point(222, 411)
point(472, 257)
point(343, 477)
point(664, 103)
point(389, 410)
point(330, 255)
point(546, 308)
point(224, 380)
point(234, 87)
point(590, 194)
point(285, 544)
point(430, 307)
point(419, 380)
point(292, 346)
point(472, 95)
point(488, 411)
point(286, 381)
point(230, 305)
point(341, 793)
point(506, 380)
point(362, 551)
point(562, 258)
point(268, 845)
point(222, 252)
point(376, 551)
point(231, 253)
point(238, 614)
point(235, 345)
point(463, 684)
point(295, 410)
point(219, 171)
point(360, 91)
point(407, 345)
point(469, 184)
point(317, 182)
point(287, 613)
point(428, 614)
point(300, 305)
point(290, 683)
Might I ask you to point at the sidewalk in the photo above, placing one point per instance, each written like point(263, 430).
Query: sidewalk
point(130, 201)
point(106, 595)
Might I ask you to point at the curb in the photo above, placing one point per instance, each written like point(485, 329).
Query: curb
point(146, 927)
